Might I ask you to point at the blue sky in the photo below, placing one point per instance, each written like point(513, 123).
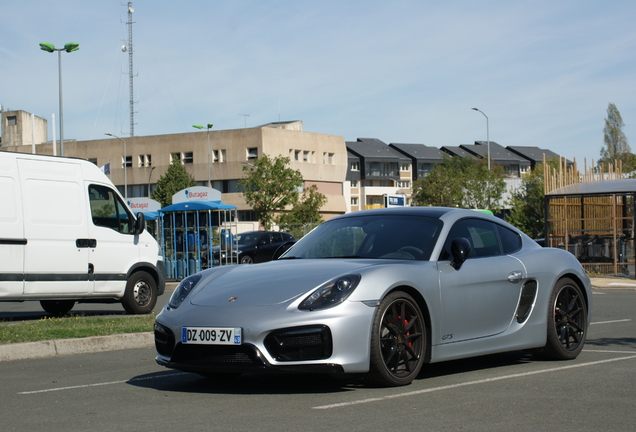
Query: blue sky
point(401, 71)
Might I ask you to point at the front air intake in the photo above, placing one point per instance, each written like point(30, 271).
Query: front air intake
point(300, 343)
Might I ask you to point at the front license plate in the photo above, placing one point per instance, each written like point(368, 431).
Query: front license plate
point(211, 335)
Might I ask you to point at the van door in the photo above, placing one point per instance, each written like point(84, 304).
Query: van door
point(55, 228)
point(117, 248)
point(12, 240)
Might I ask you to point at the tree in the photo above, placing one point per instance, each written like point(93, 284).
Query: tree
point(483, 187)
point(270, 186)
point(175, 179)
point(461, 182)
point(306, 209)
point(443, 186)
point(616, 146)
point(526, 204)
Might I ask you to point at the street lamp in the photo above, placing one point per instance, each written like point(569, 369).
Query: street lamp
point(125, 165)
point(150, 174)
point(487, 134)
point(209, 126)
point(69, 47)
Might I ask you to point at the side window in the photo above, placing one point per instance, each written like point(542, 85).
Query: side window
point(108, 211)
point(277, 237)
point(510, 240)
point(481, 234)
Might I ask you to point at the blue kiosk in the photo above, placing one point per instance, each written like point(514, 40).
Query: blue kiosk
point(196, 223)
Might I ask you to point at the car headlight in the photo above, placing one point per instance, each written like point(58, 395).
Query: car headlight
point(331, 293)
point(183, 290)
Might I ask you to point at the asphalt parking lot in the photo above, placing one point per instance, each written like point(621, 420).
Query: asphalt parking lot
point(127, 390)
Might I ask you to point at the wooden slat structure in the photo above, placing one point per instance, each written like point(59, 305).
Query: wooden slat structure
point(592, 216)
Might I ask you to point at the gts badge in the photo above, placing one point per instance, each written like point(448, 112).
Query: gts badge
point(447, 337)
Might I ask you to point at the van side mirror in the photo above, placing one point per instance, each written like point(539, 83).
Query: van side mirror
point(460, 249)
point(140, 223)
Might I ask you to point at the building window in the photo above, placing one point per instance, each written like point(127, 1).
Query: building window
point(222, 157)
point(385, 183)
point(354, 201)
point(215, 156)
point(405, 167)
point(252, 153)
point(11, 120)
point(93, 160)
point(176, 156)
point(126, 162)
point(354, 183)
point(187, 158)
point(327, 158)
point(306, 156)
point(144, 161)
point(423, 169)
point(404, 184)
point(297, 155)
point(355, 166)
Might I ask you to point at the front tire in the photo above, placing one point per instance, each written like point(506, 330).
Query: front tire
point(247, 260)
point(567, 321)
point(141, 294)
point(57, 307)
point(398, 341)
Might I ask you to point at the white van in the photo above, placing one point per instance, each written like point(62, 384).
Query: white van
point(67, 236)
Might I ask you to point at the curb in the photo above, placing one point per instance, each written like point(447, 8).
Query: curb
point(62, 347)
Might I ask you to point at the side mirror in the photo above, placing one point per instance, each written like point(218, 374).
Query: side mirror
point(140, 223)
point(460, 249)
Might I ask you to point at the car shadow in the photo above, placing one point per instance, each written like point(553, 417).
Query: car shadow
point(244, 384)
point(627, 342)
point(288, 383)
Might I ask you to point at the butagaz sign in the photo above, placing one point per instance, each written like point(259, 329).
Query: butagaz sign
point(196, 193)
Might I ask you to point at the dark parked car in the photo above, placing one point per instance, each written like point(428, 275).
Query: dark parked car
point(254, 247)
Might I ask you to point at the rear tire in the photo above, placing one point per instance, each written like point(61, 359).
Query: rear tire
point(567, 321)
point(141, 294)
point(57, 307)
point(398, 341)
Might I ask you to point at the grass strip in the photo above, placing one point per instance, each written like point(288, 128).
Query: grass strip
point(73, 327)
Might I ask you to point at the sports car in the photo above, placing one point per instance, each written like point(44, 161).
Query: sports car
point(380, 293)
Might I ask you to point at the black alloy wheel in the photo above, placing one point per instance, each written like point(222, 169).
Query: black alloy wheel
point(567, 321)
point(398, 341)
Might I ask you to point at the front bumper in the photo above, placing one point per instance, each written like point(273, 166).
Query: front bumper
point(335, 340)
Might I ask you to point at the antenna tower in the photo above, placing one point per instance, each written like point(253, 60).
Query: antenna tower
point(130, 69)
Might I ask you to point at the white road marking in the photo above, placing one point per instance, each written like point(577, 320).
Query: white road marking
point(621, 284)
point(99, 384)
point(611, 322)
point(482, 381)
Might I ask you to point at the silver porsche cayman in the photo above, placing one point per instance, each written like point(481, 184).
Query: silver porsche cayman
point(380, 293)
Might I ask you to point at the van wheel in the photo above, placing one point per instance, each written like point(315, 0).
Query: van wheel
point(57, 307)
point(141, 294)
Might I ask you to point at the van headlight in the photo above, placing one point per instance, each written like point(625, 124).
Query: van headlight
point(331, 293)
point(183, 290)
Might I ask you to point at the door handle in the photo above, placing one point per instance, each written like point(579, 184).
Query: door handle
point(86, 243)
point(515, 276)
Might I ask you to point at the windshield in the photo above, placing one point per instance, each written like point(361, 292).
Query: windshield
point(385, 237)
